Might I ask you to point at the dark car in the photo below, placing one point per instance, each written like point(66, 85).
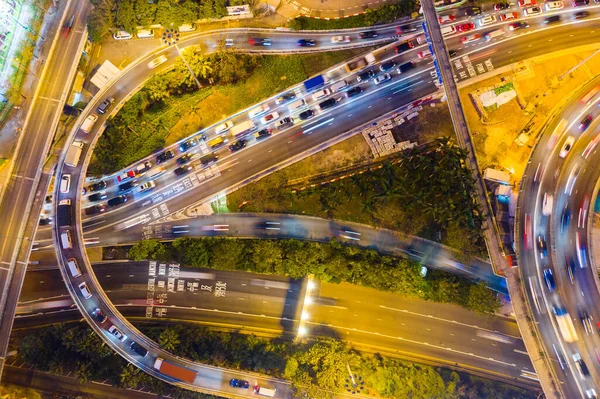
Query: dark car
point(182, 170)
point(186, 145)
point(452, 53)
point(579, 3)
point(565, 219)
point(182, 160)
point(261, 134)
point(306, 42)
point(366, 75)
point(501, 6)
point(101, 185)
point(581, 14)
point(45, 221)
point(165, 156)
point(328, 103)
point(208, 158)
point(369, 34)
point(586, 122)
point(138, 349)
point(284, 98)
point(472, 11)
point(127, 186)
point(518, 25)
point(571, 268)
point(386, 66)
point(400, 30)
point(552, 19)
point(406, 67)
point(549, 277)
point(121, 199)
point(238, 145)
point(239, 383)
point(258, 41)
point(309, 113)
point(102, 108)
point(403, 47)
point(94, 210)
point(97, 196)
point(355, 91)
point(99, 316)
point(541, 244)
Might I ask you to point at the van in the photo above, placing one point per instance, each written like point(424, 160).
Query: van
point(187, 28)
point(65, 240)
point(264, 391)
point(122, 35)
point(320, 94)
point(296, 105)
point(205, 160)
point(73, 267)
point(217, 141)
point(448, 30)
point(88, 123)
point(145, 33)
point(85, 291)
point(258, 111)
point(338, 86)
point(493, 34)
point(158, 171)
point(65, 183)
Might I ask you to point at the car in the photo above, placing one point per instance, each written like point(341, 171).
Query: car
point(284, 98)
point(234, 382)
point(571, 268)
point(223, 127)
point(452, 53)
point(261, 134)
point(165, 156)
point(400, 30)
point(580, 364)
point(149, 185)
point(128, 186)
point(98, 196)
point(157, 61)
point(586, 320)
point(552, 19)
point(591, 393)
point(138, 349)
point(182, 170)
point(541, 245)
point(273, 116)
point(306, 43)
point(445, 19)
point(284, 122)
point(490, 19)
point(117, 333)
point(106, 104)
point(581, 14)
point(94, 210)
point(501, 6)
point(579, 3)
point(591, 145)
point(547, 203)
point(369, 34)
point(258, 41)
point(182, 160)
point(549, 277)
point(518, 25)
point(532, 11)
point(564, 151)
point(526, 3)
point(386, 66)
point(142, 168)
point(122, 35)
point(508, 16)
point(340, 39)
point(565, 218)
point(330, 102)
point(101, 185)
point(355, 91)
point(472, 11)
point(572, 179)
point(366, 75)
point(186, 145)
point(470, 38)
point(402, 47)
point(125, 176)
point(465, 27)
point(309, 113)
point(121, 199)
point(407, 66)
point(45, 221)
point(99, 316)
point(586, 122)
point(238, 145)
point(554, 5)
point(382, 78)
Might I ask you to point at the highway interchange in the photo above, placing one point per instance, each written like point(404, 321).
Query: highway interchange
point(385, 99)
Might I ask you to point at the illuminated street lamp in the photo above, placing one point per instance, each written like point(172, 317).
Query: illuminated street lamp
point(171, 37)
point(355, 384)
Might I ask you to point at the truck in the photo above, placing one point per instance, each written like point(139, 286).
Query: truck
point(565, 324)
point(74, 153)
point(360, 63)
point(496, 176)
point(89, 123)
point(177, 372)
point(64, 212)
point(314, 83)
point(242, 129)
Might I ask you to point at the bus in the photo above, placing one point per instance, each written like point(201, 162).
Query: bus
point(558, 131)
point(565, 325)
point(493, 34)
point(590, 94)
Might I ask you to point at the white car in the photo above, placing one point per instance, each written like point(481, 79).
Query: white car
point(532, 11)
point(382, 78)
point(223, 127)
point(149, 185)
point(564, 151)
point(122, 35)
point(490, 19)
point(157, 61)
point(554, 5)
point(117, 333)
point(273, 116)
point(340, 39)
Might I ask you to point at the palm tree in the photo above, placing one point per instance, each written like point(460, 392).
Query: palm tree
point(368, 205)
point(169, 339)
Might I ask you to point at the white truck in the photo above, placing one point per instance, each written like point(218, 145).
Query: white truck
point(242, 129)
point(89, 123)
point(496, 175)
point(74, 153)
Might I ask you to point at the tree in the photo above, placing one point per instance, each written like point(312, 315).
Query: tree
point(125, 16)
point(131, 376)
point(169, 339)
point(482, 299)
point(101, 19)
point(149, 249)
point(158, 88)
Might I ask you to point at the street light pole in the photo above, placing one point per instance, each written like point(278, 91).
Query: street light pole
point(172, 38)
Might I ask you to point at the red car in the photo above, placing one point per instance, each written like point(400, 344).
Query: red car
point(465, 27)
point(444, 19)
point(509, 16)
point(126, 175)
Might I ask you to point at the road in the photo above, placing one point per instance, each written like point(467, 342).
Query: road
point(413, 328)
point(23, 195)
